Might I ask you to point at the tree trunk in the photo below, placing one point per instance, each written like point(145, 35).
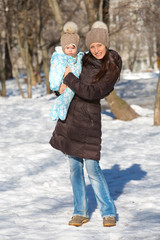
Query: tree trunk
point(8, 65)
point(15, 73)
point(45, 63)
point(100, 11)
point(29, 79)
point(157, 98)
point(57, 13)
point(150, 54)
point(3, 83)
point(24, 55)
point(58, 17)
point(38, 67)
point(26, 52)
point(24, 41)
point(2, 71)
point(38, 70)
point(157, 105)
point(31, 69)
point(92, 12)
point(120, 108)
point(106, 4)
point(14, 69)
point(38, 32)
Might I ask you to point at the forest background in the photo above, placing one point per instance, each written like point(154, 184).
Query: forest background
point(30, 30)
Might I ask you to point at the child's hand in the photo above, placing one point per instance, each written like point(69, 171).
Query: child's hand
point(68, 70)
point(62, 88)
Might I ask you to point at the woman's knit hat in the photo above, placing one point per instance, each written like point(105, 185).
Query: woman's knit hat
point(70, 35)
point(98, 33)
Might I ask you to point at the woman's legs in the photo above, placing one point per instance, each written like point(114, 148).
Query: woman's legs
point(100, 188)
point(78, 186)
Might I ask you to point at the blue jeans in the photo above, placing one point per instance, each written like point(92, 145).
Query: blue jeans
point(99, 185)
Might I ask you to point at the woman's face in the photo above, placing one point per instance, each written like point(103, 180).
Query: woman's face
point(98, 50)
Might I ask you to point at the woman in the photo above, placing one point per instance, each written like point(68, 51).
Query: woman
point(79, 136)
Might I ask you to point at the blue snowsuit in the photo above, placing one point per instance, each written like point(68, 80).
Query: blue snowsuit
point(59, 62)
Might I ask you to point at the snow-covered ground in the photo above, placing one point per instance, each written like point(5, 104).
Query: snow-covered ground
point(35, 191)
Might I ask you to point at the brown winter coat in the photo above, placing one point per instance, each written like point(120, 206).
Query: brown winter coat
point(80, 134)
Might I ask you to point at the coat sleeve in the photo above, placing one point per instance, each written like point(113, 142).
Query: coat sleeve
point(97, 90)
point(94, 91)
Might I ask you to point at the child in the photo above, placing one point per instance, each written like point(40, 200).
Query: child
point(59, 62)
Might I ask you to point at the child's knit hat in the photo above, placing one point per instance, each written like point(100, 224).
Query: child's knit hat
point(70, 35)
point(98, 33)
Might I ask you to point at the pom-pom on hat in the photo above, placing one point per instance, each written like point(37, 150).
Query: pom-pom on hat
point(70, 35)
point(98, 33)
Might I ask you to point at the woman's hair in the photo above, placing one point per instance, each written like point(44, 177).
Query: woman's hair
point(108, 62)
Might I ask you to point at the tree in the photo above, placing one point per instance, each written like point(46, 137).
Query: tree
point(2, 53)
point(151, 18)
point(157, 98)
point(33, 29)
point(2, 71)
point(157, 104)
point(57, 13)
point(120, 108)
point(8, 32)
point(91, 11)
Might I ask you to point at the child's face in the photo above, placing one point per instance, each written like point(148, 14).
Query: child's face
point(70, 50)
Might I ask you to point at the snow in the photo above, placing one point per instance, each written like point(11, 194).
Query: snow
point(36, 195)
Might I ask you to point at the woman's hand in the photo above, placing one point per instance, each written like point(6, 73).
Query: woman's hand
point(68, 70)
point(62, 88)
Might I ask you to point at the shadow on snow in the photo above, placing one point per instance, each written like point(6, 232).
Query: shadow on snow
point(116, 180)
